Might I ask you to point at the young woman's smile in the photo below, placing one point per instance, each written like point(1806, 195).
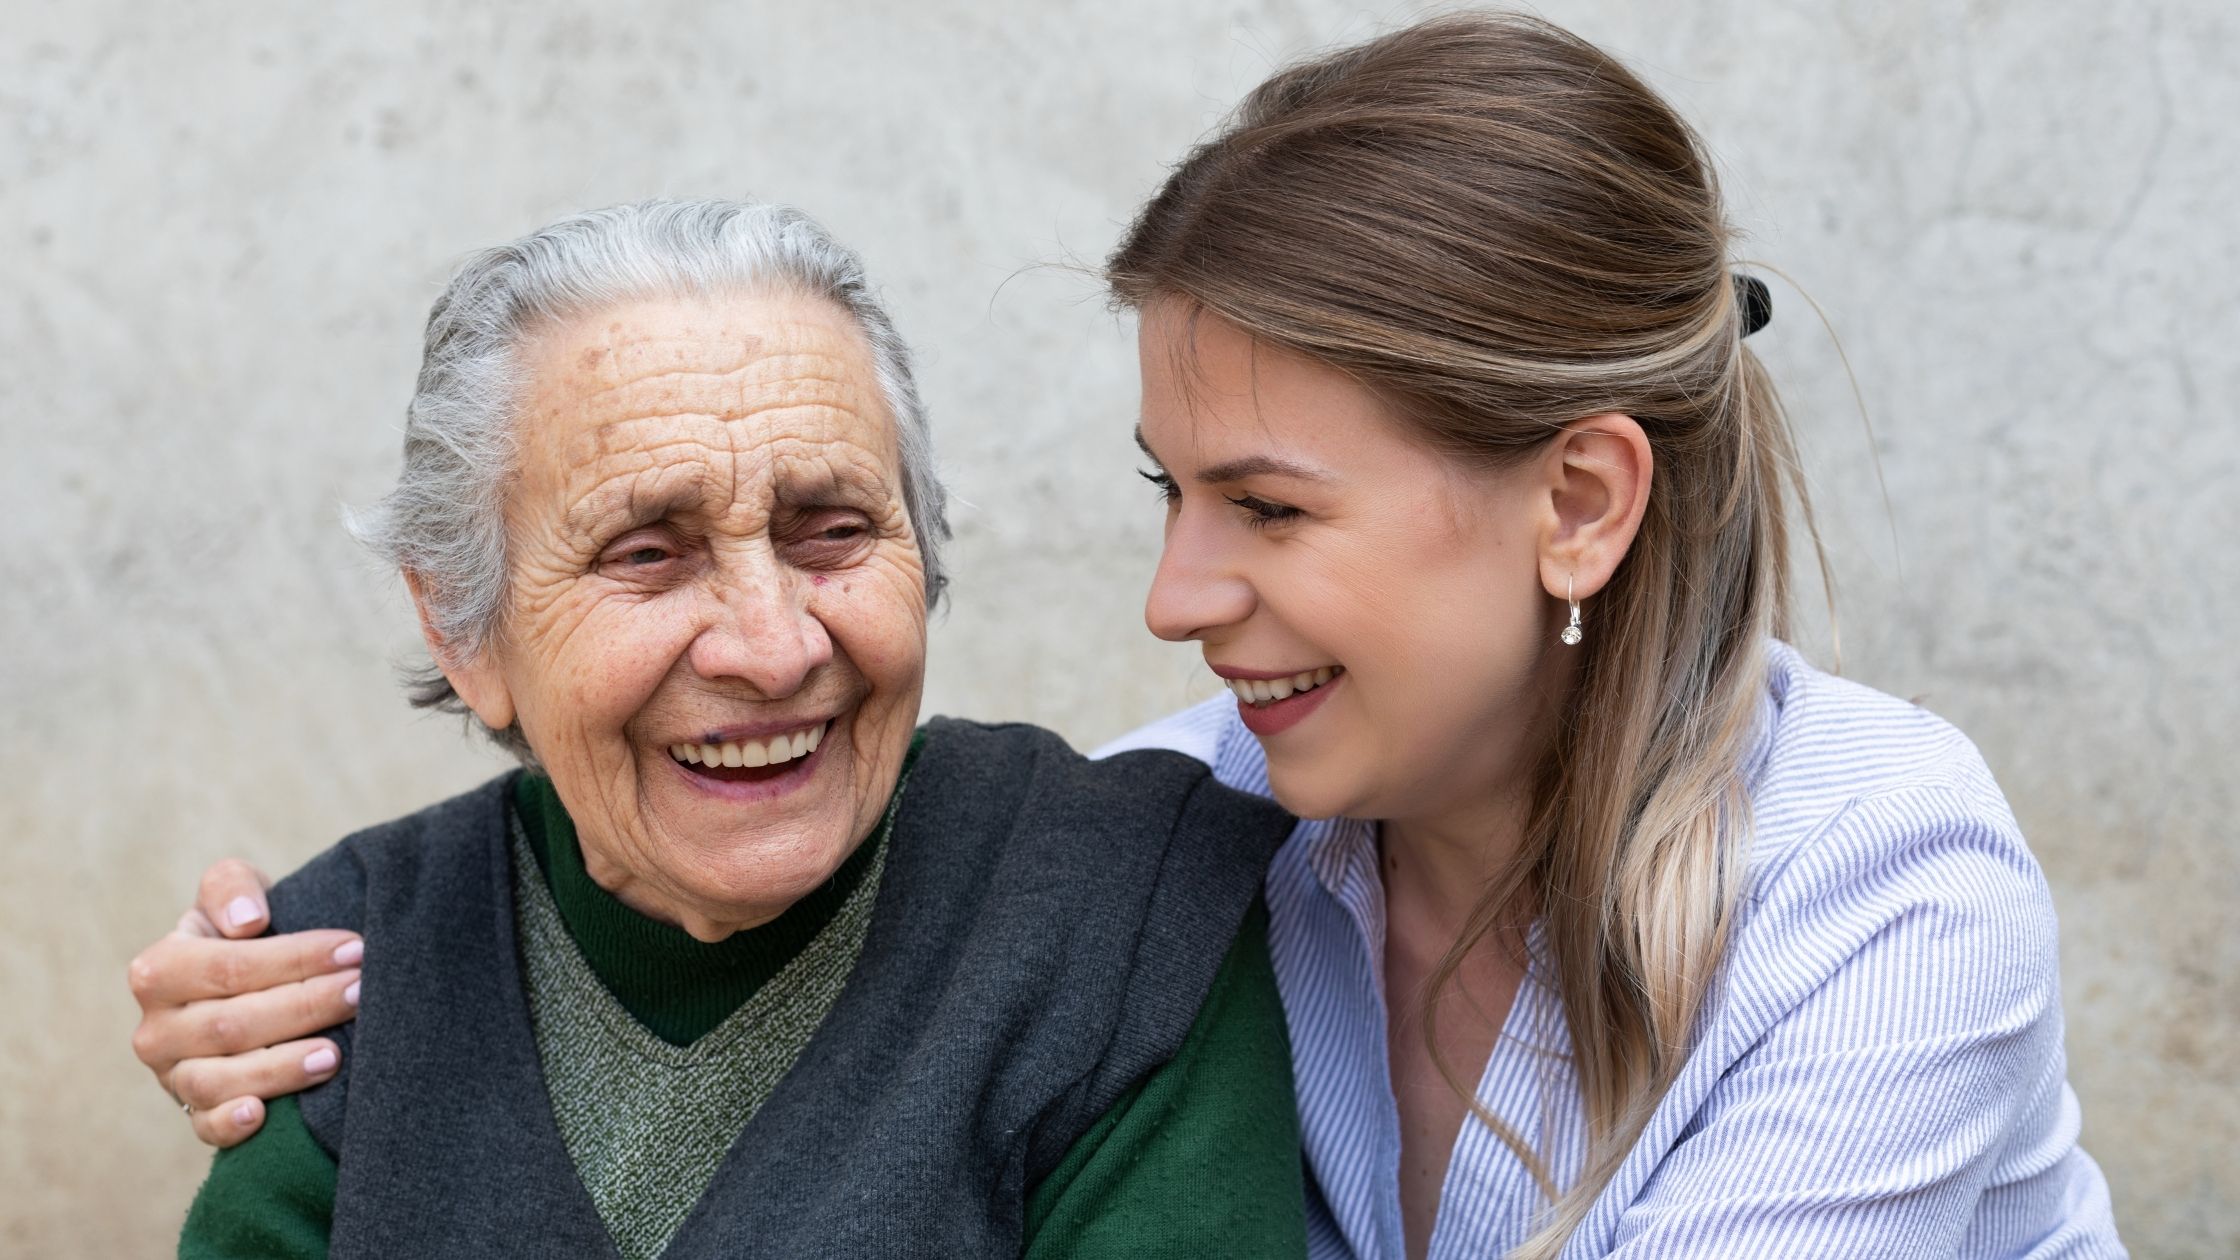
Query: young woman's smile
point(1271, 703)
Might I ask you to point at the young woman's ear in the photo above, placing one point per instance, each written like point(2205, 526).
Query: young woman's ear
point(477, 679)
point(1596, 477)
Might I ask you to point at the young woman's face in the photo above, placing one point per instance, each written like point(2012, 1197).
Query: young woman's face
point(1310, 536)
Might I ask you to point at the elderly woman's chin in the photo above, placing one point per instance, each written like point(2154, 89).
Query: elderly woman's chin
point(723, 832)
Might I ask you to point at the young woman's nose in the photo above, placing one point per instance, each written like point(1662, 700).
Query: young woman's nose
point(1198, 588)
point(760, 630)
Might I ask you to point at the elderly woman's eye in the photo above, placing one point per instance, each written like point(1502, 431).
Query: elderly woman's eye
point(828, 539)
point(638, 553)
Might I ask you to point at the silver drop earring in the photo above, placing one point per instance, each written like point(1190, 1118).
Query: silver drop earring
point(1571, 633)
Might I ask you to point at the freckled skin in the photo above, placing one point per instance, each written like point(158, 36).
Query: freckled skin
point(691, 473)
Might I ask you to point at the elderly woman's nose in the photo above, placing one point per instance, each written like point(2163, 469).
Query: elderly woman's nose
point(1197, 588)
point(765, 636)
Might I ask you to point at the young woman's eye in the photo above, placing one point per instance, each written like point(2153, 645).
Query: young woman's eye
point(1259, 513)
point(1163, 483)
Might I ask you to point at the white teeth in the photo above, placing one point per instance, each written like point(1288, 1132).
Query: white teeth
point(753, 752)
point(1263, 691)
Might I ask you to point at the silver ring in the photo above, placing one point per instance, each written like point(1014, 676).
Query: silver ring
point(187, 1107)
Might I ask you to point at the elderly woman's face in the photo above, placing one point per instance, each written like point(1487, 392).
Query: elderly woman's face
point(716, 635)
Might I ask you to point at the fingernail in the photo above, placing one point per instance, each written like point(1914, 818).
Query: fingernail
point(244, 1114)
point(350, 994)
point(349, 953)
point(241, 910)
point(319, 1061)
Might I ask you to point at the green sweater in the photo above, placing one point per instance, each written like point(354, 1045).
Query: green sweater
point(1188, 1163)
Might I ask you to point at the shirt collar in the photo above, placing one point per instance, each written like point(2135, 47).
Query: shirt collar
point(1337, 848)
point(1783, 666)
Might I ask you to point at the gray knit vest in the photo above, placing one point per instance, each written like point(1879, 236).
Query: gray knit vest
point(1045, 931)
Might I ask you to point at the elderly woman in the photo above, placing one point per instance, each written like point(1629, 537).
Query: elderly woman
point(740, 963)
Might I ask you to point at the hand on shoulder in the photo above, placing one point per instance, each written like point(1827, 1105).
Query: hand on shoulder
point(226, 1015)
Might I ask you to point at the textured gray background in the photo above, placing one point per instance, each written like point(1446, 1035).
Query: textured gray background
point(221, 223)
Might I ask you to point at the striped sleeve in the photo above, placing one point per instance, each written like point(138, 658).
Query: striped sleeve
point(1907, 1075)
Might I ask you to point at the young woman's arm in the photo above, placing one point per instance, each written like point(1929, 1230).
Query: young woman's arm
point(226, 1021)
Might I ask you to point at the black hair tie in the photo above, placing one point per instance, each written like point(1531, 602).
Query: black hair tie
point(1756, 301)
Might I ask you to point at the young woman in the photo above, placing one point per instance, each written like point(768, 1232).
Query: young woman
point(1617, 929)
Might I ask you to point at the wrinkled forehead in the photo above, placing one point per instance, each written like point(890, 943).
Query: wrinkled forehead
point(772, 383)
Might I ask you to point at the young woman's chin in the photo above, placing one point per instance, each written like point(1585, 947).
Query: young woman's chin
point(1330, 785)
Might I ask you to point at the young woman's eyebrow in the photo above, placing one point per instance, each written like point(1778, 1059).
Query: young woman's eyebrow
point(1245, 466)
point(1259, 466)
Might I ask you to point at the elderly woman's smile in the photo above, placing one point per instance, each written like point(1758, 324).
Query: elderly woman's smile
point(714, 636)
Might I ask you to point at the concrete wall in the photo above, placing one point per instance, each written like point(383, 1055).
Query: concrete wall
point(220, 226)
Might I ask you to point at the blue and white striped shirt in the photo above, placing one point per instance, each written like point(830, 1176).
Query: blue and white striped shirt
point(1879, 1073)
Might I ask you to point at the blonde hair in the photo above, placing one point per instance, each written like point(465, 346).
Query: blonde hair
point(1500, 229)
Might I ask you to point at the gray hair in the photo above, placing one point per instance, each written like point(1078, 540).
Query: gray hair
point(444, 523)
